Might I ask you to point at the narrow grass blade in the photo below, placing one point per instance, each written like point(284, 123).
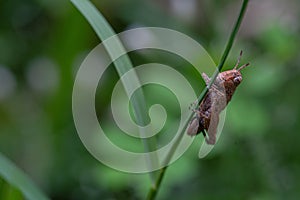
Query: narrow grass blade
point(17, 178)
point(122, 65)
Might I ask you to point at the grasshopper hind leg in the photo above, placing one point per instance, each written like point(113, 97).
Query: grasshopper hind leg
point(192, 129)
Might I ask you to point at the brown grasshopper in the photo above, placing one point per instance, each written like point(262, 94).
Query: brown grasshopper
point(217, 98)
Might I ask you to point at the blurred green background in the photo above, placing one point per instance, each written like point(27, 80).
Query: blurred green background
point(42, 44)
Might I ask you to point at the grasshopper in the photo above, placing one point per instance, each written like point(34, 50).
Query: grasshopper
point(206, 119)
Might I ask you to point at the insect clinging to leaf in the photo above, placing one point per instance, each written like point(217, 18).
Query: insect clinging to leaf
point(220, 93)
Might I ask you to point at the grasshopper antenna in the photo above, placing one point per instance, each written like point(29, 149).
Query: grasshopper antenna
point(238, 61)
point(244, 66)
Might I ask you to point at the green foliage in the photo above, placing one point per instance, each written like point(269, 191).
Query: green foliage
point(257, 154)
point(18, 179)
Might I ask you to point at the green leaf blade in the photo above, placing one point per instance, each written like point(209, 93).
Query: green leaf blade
point(17, 178)
point(122, 65)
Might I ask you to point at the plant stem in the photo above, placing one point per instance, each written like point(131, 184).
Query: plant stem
point(154, 189)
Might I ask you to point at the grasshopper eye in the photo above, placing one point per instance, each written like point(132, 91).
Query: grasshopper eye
point(237, 80)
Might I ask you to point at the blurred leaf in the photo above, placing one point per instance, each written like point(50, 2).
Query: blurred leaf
point(122, 65)
point(19, 179)
point(8, 192)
